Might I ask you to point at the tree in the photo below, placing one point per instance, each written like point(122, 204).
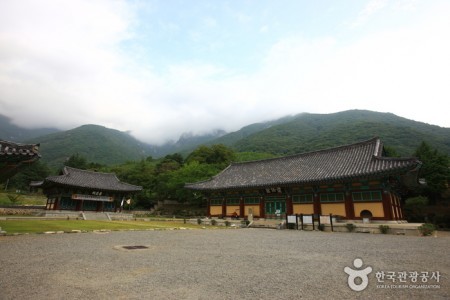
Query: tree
point(216, 154)
point(37, 171)
point(435, 169)
point(77, 161)
point(170, 185)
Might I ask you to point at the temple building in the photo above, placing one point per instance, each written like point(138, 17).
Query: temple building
point(83, 190)
point(352, 181)
point(13, 156)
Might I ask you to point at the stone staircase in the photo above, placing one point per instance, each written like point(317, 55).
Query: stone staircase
point(96, 216)
point(268, 223)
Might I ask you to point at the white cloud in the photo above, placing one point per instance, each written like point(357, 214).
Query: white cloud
point(63, 66)
point(372, 7)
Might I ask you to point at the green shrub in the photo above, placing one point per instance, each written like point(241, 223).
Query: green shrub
point(427, 229)
point(384, 229)
point(415, 208)
point(199, 221)
point(213, 222)
point(227, 223)
point(350, 227)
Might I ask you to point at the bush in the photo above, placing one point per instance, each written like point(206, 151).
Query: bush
point(350, 227)
point(199, 221)
point(321, 227)
point(415, 207)
point(384, 229)
point(227, 223)
point(427, 229)
point(213, 222)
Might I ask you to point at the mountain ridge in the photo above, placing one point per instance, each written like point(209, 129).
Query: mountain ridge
point(284, 136)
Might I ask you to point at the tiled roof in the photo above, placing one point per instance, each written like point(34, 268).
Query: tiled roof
point(93, 180)
point(13, 156)
point(13, 152)
point(358, 160)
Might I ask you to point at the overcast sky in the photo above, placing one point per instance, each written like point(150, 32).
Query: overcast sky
point(160, 68)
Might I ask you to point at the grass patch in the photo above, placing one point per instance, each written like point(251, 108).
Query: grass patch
point(23, 199)
point(37, 226)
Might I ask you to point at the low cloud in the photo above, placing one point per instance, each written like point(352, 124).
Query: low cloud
point(66, 66)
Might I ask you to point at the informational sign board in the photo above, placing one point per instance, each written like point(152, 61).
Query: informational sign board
point(307, 219)
point(325, 220)
point(291, 219)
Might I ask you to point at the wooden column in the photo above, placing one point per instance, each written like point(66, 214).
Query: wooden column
point(317, 208)
point(349, 207)
point(400, 208)
point(79, 205)
point(289, 205)
point(262, 207)
point(208, 207)
point(57, 203)
point(387, 205)
point(241, 208)
point(224, 208)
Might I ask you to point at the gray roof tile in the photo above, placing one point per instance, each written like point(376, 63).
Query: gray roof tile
point(16, 152)
point(340, 163)
point(92, 180)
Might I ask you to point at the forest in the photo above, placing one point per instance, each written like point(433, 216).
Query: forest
point(164, 178)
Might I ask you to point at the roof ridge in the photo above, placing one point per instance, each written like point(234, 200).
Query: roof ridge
point(365, 142)
point(89, 171)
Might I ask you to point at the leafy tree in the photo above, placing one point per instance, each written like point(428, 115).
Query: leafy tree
point(166, 165)
point(170, 185)
point(140, 173)
point(390, 152)
point(175, 157)
point(37, 171)
point(77, 161)
point(435, 169)
point(415, 208)
point(216, 154)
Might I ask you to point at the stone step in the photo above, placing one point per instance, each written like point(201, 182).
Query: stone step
point(94, 216)
point(267, 223)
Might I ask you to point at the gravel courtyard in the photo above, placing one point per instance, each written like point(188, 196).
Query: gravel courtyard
point(219, 264)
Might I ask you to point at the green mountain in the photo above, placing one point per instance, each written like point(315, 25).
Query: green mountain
point(13, 133)
point(293, 134)
point(309, 132)
point(96, 143)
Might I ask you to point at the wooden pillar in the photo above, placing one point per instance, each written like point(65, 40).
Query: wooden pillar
point(289, 205)
point(262, 207)
point(241, 208)
point(208, 207)
point(79, 205)
point(387, 205)
point(57, 203)
point(400, 208)
point(349, 207)
point(317, 208)
point(224, 207)
point(99, 206)
point(394, 207)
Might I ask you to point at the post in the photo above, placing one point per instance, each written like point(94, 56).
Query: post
point(301, 216)
point(296, 221)
point(318, 221)
point(331, 222)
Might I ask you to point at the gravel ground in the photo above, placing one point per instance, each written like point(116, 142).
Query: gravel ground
point(216, 264)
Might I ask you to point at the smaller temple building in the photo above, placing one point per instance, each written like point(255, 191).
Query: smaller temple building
point(13, 156)
point(352, 181)
point(83, 190)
